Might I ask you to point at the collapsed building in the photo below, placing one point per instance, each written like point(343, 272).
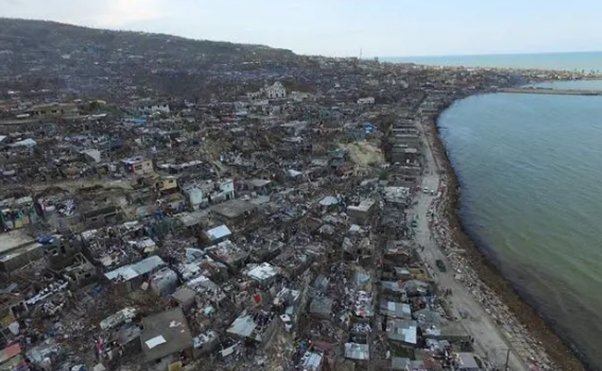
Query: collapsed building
point(260, 227)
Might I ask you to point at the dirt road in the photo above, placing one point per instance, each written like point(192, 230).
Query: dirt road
point(488, 340)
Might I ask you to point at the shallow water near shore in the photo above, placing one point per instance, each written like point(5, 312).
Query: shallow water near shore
point(530, 167)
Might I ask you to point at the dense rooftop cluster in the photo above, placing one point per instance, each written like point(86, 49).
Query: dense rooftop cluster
point(171, 204)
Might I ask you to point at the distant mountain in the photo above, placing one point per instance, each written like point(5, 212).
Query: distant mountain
point(53, 55)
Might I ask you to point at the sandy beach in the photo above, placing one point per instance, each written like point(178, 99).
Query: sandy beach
point(505, 328)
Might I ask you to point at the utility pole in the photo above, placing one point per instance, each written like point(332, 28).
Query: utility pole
point(507, 358)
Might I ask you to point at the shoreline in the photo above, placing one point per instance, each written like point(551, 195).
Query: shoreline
point(561, 354)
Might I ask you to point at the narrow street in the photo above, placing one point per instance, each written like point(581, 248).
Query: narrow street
point(488, 340)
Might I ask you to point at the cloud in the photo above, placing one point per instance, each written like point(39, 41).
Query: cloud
point(120, 13)
point(341, 27)
point(100, 13)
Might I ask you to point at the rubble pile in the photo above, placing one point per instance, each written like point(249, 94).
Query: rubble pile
point(263, 224)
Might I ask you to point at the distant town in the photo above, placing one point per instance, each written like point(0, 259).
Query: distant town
point(168, 204)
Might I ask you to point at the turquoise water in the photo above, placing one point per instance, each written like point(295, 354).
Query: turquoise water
point(530, 169)
point(583, 61)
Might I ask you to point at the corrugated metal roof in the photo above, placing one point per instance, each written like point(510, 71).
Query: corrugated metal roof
point(134, 270)
point(219, 232)
point(467, 361)
point(399, 310)
point(398, 363)
point(402, 330)
point(263, 272)
point(357, 351)
point(329, 200)
point(311, 361)
point(242, 326)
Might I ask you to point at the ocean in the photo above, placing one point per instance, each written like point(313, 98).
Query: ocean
point(582, 61)
point(530, 169)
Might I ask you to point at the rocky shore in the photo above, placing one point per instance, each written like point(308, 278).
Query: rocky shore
point(526, 332)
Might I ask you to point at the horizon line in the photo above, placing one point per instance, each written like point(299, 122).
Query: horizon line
point(472, 54)
point(487, 54)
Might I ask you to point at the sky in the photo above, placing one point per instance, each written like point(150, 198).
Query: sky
point(384, 28)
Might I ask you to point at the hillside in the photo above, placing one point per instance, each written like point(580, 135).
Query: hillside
point(50, 55)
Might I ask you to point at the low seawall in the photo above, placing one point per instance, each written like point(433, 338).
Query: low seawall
point(548, 91)
point(559, 351)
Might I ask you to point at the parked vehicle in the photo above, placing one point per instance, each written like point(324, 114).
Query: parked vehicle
point(441, 265)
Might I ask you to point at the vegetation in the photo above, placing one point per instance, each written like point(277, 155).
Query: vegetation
point(46, 35)
point(43, 56)
point(402, 352)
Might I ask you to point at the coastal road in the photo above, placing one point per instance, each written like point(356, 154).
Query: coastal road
point(488, 340)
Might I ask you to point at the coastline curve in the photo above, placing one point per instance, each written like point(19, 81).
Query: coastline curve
point(483, 261)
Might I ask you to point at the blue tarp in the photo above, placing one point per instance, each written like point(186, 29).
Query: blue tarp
point(44, 239)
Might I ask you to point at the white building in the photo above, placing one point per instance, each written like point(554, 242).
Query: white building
point(275, 91)
point(209, 192)
point(137, 165)
point(367, 100)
